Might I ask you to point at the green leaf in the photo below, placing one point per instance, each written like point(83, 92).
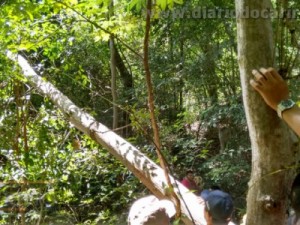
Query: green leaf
point(64, 177)
point(163, 4)
point(72, 2)
point(30, 15)
point(136, 4)
point(97, 38)
point(178, 1)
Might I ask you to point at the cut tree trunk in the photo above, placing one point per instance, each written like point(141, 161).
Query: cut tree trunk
point(275, 151)
point(149, 173)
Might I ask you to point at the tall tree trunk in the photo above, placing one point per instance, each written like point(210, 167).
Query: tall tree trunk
point(128, 87)
point(181, 84)
point(210, 72)
point(273, 147)
point(113, 70)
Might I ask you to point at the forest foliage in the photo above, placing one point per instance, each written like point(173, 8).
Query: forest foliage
point(52, 173)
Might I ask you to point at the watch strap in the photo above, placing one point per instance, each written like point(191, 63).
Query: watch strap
point(284, 105)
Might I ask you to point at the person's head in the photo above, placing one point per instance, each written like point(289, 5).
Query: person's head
point(198, 180)
point(150, 210)
point(189, 174)
point(206, 192)
point(295, 195)
point(218, 208)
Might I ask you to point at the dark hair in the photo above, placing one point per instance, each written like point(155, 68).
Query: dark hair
point(189, 171)
point(215, 187)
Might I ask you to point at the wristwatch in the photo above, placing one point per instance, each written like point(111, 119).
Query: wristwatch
point(284, 105)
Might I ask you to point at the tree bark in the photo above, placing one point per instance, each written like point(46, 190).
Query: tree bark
point(113, 70)
point(128, 88)
point(274, 151)
point(150, 174)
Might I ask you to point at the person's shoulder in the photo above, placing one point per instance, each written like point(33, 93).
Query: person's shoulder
point(184, 180)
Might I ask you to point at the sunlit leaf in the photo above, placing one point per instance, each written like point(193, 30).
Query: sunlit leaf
point(30, 15)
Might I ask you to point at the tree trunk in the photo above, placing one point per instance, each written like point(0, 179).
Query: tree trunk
point(128, 87)
point(210, 71)
point(274, 151)
point(151, 175)
point(113, 70)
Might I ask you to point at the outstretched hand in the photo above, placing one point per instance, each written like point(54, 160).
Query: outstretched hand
point(270, 85)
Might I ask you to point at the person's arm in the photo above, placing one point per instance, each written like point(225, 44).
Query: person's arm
point(292, 118)
point(270, 85)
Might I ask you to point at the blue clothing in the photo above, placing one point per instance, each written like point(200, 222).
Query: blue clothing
point(204, 193)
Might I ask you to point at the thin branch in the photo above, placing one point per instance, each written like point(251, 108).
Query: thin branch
point(151, 106)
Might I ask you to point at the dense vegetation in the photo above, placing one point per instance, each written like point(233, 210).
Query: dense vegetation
point(52, 173)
